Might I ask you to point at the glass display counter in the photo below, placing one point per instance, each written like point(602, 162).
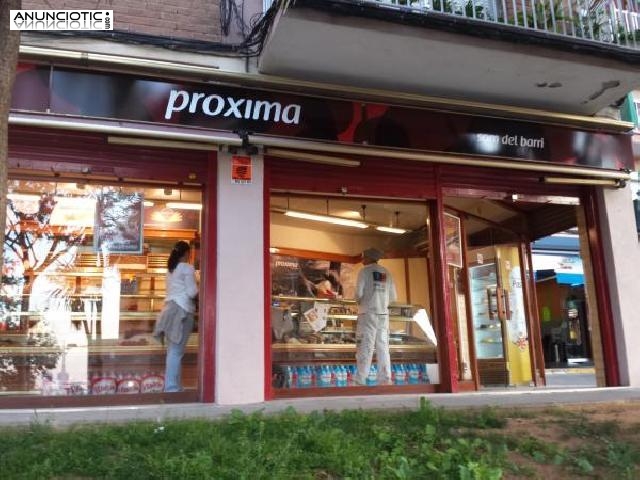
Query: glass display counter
point(314, 343)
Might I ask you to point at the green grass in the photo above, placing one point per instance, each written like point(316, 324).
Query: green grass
point(429, 443)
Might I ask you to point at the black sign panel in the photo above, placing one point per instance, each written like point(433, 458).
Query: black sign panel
point(127, 97)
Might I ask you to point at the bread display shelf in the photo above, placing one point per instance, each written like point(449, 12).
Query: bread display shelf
point(79, 316)
point(153, 347)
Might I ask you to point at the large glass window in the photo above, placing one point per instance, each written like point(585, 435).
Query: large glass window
point(83, 282)
point(316, 246)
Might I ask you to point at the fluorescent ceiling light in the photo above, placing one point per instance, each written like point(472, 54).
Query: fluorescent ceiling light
point(391, 230)
point(148, 203)
point(66, 202)
point(23, 197)
point(345, 222)
point(184, 206)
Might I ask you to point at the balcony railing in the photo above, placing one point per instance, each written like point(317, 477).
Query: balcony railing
point(605, 21)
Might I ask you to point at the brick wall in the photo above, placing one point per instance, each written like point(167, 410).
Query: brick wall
point(188, 19)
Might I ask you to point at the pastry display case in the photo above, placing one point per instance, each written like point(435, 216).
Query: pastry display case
point(82, 284)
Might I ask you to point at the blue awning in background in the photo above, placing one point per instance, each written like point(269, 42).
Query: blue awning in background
point(570, 278)
point(563, 278)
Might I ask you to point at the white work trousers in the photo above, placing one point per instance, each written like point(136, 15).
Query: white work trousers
point(372, 332)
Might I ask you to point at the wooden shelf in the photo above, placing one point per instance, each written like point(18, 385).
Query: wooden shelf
point(77, 316)
point(151, 348)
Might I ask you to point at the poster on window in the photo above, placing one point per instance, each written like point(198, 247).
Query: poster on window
point(118, 222)
point(453, 240)
point(160, 216)
point(311, 278)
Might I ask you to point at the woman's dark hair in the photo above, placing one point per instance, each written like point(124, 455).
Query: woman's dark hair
point(176, 254)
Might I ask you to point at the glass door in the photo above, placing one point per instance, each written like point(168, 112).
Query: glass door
point(487, 323)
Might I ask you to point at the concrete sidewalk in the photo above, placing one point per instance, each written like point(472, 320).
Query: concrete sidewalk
point(159, 413)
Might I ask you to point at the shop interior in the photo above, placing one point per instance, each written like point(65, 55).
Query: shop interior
point(83, 282)
point(501, 233)
point(315, 253)
point(316, 244)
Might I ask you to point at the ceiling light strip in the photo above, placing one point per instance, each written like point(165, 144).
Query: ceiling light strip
point(184, 206)
point(399, 231)
point(345, 222)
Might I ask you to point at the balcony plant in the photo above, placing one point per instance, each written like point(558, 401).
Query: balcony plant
point(461, 8)
point(545, 15)
point(592, 20)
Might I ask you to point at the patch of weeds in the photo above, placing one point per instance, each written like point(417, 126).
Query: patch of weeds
point(539, 451)
point(623, 458)
point(583, 428)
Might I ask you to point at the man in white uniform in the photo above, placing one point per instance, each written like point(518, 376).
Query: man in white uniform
point(375, 290)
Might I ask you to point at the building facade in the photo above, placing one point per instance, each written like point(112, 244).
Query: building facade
point(279, 170)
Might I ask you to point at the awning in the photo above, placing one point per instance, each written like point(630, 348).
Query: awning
point(563, 278)
point(570, 278)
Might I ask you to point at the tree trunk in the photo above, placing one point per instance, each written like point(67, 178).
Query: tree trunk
point(9, 46)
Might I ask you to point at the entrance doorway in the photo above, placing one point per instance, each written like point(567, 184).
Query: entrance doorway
point(523, 319)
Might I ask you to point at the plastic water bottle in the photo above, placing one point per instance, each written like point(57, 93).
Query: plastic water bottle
point(399, 374)
point(288, 376)
point(310, 377)
point(425, 373)
point(372, 378)
point(302, 376)
point(414, 374)
point(342, 376)
point(349, 375)
point(325, 376)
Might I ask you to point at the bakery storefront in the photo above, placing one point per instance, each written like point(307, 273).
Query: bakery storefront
point(278, 194)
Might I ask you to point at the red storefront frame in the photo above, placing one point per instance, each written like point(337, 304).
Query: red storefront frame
point(47, 154)
point(419, 180)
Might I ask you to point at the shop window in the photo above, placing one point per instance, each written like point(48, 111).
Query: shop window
point(315, 254)
point(83, 282)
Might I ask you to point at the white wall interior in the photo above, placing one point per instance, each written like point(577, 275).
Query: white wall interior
point(321, 240)
point(240, 283)
point(622, 260)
